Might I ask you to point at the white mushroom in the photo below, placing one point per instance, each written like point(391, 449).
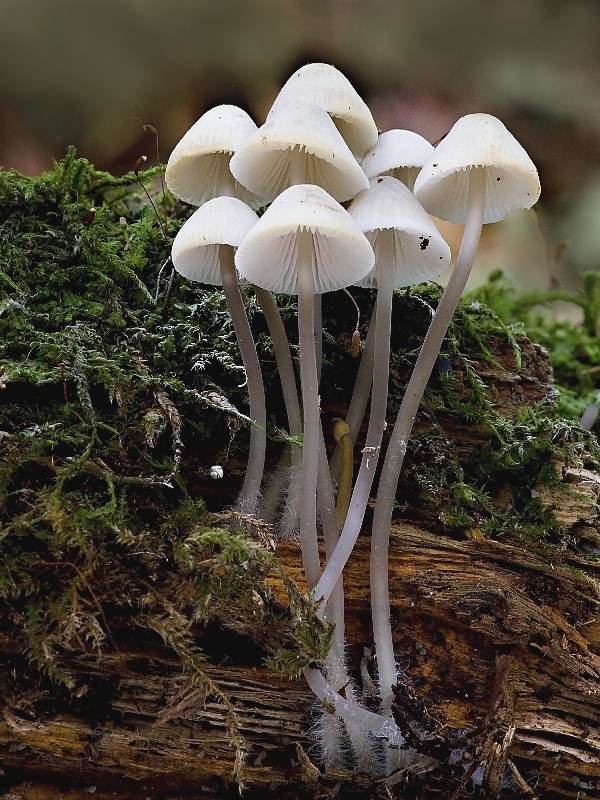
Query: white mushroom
point(478, 173)
point(408, 249)
point(306, 244)
point(203, 251)
point(399, 154)
point(298, 144)
point(477, 143)
point(327, 87)
point(198, 167)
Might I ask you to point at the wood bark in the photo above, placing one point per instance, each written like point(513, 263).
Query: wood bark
point(497, 643)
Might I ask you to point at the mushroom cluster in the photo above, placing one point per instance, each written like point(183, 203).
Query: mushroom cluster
point(319, 148)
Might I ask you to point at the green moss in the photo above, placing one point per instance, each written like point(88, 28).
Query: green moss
point(574, 348)
point(492, 484)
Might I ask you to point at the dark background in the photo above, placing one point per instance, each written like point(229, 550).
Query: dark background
point(92, 72)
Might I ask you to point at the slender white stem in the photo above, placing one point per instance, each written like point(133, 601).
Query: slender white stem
point(310, 405)
point(227, 181)
point(293, 457)
point(380, 599)
point(331, 533)
point(277, 485)
point(249, 495)
point(281, 348)
point(318, 334)
point(335, 664)
point(366, 473)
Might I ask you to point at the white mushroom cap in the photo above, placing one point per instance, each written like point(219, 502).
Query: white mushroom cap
point(477, 141)
point(268, 255)
point(298, 144)
point(221, 221)
point(398, 153)
point(326, 86)
point(198, 167)
point(419, 251)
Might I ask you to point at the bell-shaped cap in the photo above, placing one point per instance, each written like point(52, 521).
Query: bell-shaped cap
point(327, 87)
point(298, 144)
point(477, 141)
point(198, 167)
point(196, 248)
point(417, 252)
point(268, 256)
point(399, 154)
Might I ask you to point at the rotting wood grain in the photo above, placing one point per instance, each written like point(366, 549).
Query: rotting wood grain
point(457, 606)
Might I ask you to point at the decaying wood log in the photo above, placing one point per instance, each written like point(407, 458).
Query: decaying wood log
point(499, 645)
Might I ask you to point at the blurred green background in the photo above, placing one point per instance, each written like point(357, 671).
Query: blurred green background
point(92, 72)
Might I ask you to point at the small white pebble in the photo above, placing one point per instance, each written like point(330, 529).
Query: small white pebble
point(216, 472)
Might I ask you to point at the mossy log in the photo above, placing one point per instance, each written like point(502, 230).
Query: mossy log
point(495, 582)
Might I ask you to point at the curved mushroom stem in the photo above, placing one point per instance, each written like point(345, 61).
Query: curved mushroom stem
point(310, 405)
point(337, 674)
point(287, 376)
point(366, 473)
point(375, 724)
point(335, 607)
point(281, 348)
point(380, 599)
point(335, 665)
point(249, 496)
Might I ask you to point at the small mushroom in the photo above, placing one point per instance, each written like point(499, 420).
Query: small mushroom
point(396, 225)
point(306, 243)
point(342, 436)
point(399, 154)
point(198, 167)
point(478, 173)
point(203, 250)
point(298, 144)
point(327, 87)
point(477, 145)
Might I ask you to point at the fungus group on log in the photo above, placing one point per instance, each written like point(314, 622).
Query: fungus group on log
point(477, 672)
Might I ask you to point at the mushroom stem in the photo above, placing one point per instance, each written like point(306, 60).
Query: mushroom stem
point(331, 533)
point(287, 376)
point(335, 666)
point(318, 335)
point(380, 600)
point(249, 495)
point(382, 727)
point(366, 473)
point(310, 405)
point(227, 181)
point(281, 348)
